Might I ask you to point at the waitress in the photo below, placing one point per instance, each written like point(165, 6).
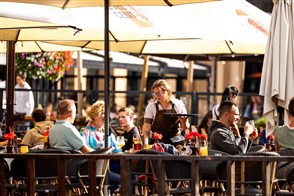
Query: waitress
point(157, 121)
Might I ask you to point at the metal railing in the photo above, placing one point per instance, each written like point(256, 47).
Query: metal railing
point(205, 99)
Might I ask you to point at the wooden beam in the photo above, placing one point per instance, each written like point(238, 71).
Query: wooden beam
point(144, 77)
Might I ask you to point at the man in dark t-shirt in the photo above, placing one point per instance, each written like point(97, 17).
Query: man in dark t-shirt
point(126, 121)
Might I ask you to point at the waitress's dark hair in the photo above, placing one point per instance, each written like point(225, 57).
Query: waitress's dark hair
point(229, 93)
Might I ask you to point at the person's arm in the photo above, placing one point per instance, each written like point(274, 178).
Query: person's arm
point(146, 127)
point(4, 143)
point(226, 142)
point(86, 149)
point(148, 119)
point(31, 103)
point(183, 120)
point(276, 138)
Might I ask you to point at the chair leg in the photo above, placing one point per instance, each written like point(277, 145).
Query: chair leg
point(105, 190)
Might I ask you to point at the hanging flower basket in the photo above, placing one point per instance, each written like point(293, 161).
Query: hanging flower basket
point(49, 65)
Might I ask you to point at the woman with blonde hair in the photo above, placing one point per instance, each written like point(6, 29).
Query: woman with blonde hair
point(157, 121)
point(94, 133)
point(94, 136)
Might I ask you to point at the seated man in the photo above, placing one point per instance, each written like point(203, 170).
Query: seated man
point(224, 134)
point(284, 135)
point(126, 121)
point(38, 134)
point(63, 135)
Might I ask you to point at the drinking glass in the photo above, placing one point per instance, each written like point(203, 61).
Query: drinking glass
point(136, 139)
point(24, 149)
point(120, 141)
point(137, 142)
point(251, 122)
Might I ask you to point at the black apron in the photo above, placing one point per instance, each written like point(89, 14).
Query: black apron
point(166, 125)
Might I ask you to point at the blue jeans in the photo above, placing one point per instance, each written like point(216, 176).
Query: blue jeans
point(113, 179)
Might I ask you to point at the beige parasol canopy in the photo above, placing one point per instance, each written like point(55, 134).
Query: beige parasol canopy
point(220, 27)
point(90, 3)
point(278, 71)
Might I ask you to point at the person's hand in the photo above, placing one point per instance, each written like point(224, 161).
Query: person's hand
point(183, 121)
point(254, 134)
point(235, 130)
point(248, 129)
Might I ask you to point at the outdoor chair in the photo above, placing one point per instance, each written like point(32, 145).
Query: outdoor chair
point(253, 174)
point(78, 173)
point(178, 177)
point(282, 168)
point(46, 173)
point(289, 188)
point(256, 148)
point(8, 185)
point(144, 176)
point(207, 174)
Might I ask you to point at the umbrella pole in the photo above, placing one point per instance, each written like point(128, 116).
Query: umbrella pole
point(80, 86)
point(10, 82)
point(106, 71)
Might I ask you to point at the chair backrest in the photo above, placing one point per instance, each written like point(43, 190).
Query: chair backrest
point(257, 148)
point(44, 168)
point(290, 177)
point(288, 152)
point(101, 164)
point(47, 168)
point(283, 166)
point(139, 165)
point(207, 169)
point(79, 167)
point(178, 170)
point(253, 170)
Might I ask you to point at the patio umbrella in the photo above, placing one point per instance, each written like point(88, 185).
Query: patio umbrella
point(221, 27)
point(89, 3)
point(124, 45)
point(278, 73)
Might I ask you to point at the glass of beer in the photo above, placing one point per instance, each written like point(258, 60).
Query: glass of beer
point(137, 142)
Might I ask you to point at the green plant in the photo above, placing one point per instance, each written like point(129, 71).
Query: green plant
point(50, 65)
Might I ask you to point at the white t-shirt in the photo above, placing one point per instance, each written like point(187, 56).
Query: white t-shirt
point(24, 100)
point(150, 110)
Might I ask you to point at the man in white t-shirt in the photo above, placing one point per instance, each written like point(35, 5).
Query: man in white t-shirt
point(24, 100)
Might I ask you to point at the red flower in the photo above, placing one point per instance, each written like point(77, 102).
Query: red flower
point(9, 136)
point(156, 136)
point(196, 134)
point(204, 136)
point(46, 133)
point(192, 134)
point(272, 137)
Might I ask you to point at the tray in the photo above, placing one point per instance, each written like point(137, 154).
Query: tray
point(175, 114)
